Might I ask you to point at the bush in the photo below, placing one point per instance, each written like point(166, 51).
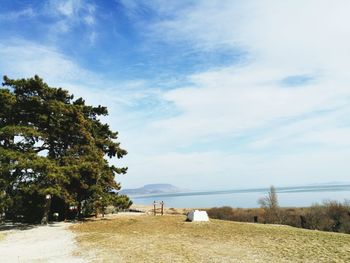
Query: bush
point(329, 216)
point(237, 214)
point(223, 213)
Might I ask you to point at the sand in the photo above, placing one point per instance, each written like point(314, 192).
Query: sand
point(51, 243)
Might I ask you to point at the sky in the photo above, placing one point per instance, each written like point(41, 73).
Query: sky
point(218, 94)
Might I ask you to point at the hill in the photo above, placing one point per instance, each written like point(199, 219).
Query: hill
point(152, 189)
point(169, 238)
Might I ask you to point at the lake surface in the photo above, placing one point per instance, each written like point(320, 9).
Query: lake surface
point(248, 198)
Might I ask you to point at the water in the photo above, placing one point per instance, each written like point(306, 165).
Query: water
point(248, 198)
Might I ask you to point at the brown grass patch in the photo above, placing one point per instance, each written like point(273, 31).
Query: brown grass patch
point(171, 239)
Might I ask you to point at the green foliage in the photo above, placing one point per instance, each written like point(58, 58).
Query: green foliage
point(51, 144)
point(122, 202)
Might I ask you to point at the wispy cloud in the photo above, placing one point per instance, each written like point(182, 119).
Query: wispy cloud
point(65, 8)
point(297, 43)
point(29, 59)
point(26, 13)
point(297, 80)
point(71, 14)
point(283, 43)
point(21, 58)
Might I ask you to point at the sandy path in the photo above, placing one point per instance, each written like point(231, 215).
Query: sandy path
point(52, 243)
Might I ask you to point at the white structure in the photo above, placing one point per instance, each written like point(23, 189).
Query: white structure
point(197, 215)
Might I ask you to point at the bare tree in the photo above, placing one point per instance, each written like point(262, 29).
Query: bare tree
point(270, 204)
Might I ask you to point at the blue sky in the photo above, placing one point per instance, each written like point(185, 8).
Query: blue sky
point(205, 94)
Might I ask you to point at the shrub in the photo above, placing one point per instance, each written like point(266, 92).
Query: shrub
point(223, 213)
point(329, 216)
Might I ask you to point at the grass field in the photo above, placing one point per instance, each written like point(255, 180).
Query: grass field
point(170, 239)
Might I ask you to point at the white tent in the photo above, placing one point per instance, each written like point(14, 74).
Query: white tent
point(197, 215)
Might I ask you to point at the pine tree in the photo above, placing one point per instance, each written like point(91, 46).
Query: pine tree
point(53, 151)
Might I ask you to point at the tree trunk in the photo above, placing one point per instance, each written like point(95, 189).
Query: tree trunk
point(79, 210)
point(45, 219)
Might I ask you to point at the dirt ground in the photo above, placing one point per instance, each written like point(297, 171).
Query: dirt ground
point(51, 243)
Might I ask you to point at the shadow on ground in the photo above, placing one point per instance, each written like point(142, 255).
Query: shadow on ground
point(22, 226)
point(15, 226)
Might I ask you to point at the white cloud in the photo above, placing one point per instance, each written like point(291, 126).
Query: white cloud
point(281, 39)
point(297, 36)
point(70, 14)
point(25, 59)
point(296, 30)
point(89, 20)
point(67, 8)
point(12, 16)
point(232, 101)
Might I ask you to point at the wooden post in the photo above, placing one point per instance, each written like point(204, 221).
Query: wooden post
point(155, 207)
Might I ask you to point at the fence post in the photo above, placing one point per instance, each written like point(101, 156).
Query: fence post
point(155, 207)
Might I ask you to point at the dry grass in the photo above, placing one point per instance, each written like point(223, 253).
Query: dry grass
point(148, 209)
point(2, 236)
point(170, 239)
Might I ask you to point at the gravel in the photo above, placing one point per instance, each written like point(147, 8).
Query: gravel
point(51, 243)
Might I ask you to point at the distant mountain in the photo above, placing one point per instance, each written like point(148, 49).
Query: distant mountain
point(152, 189)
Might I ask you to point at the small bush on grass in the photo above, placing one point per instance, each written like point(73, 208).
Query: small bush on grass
point(330, 216)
